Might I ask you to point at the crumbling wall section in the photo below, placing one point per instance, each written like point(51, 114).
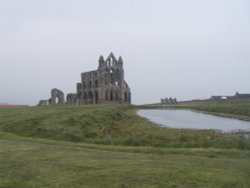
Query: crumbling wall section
point(102, 86)
point(57, 97)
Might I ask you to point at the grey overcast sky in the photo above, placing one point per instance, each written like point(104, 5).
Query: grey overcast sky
point(171, 48)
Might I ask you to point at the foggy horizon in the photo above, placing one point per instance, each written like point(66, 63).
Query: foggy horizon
point(187, 50)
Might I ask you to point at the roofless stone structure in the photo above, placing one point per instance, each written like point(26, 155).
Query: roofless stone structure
point(102, 86)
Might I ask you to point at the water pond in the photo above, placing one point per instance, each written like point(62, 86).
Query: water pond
point(187, 119)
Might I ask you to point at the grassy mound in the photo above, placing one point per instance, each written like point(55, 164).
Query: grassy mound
point(73, 123)
point(107, 124)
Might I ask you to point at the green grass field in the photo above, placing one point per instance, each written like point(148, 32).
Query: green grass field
point(110, 146)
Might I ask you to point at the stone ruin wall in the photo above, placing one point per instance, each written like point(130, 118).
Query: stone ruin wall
point(102, 86)
point(169, 100)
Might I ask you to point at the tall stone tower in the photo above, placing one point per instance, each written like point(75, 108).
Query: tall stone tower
point(104, 85)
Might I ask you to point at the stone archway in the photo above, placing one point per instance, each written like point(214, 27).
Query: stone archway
point(57, 97)
point(85, 98)
point(72, 99)
point(96, 97)
point(90, 98)
point(125, 97)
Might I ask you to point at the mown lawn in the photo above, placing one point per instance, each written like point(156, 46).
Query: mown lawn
point(41, 163)
point(110, 146)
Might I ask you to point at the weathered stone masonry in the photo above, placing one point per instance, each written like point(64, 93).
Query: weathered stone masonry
point(102, 86)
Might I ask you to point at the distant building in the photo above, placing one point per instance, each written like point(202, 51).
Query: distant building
point(236, 96)
point(241, 96)
point(219, 97)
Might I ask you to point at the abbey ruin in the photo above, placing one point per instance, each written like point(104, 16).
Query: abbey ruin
point(169, 100)
point(102, 86)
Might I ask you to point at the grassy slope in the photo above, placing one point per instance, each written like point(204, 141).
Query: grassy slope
point(37, 151)
point(116, 125)
point(240, 110)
